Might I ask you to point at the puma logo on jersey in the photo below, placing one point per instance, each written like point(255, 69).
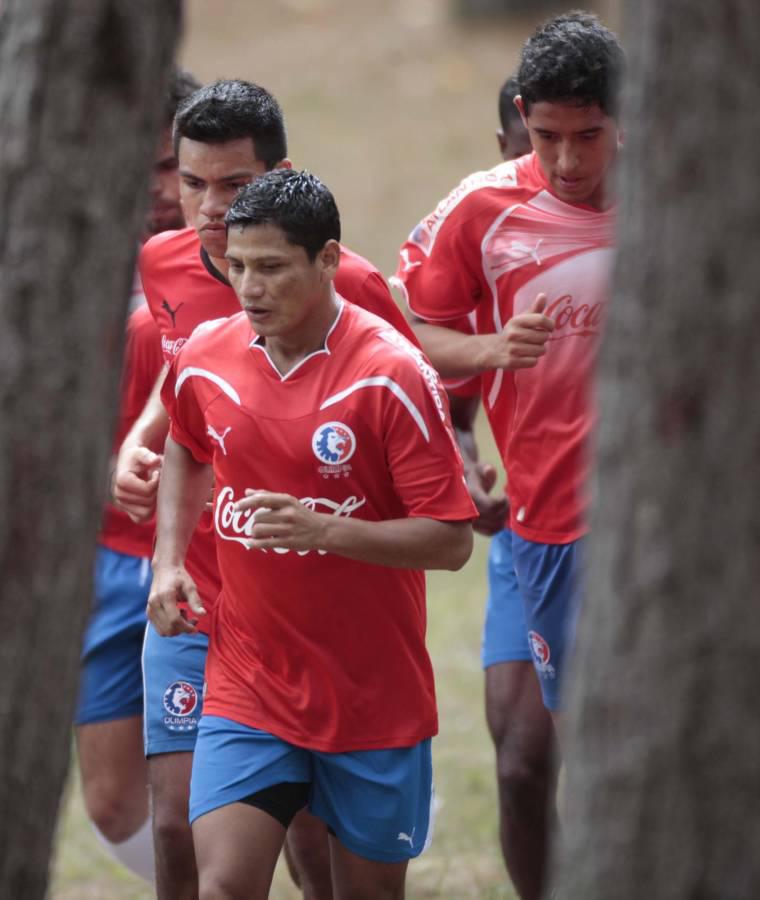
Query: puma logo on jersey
point(172, 312)
point(403, 836)
point(219, 438)
point(517, 250)
point(408, 264)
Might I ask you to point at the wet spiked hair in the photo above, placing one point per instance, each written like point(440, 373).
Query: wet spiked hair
point(296, 202)
point(230, 110)
point(574, 59)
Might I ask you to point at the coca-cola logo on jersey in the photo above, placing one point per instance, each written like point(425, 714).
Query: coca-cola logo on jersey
point(237, 525)
point(575, 319)
point(172, 347)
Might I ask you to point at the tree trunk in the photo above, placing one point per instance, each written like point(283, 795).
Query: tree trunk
point(81, 103)
point(663, 735)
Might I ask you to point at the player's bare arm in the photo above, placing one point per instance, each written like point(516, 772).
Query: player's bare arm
point(413, 543)
point(480, 476)
point(519, 345)
point(138, 465)
point(185, 485)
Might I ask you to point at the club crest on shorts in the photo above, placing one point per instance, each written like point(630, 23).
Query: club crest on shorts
point(334, 444)
point(180, 702)
point(541, 655)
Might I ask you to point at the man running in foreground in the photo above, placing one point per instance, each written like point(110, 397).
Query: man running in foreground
point(319, 686)
point(225, 135)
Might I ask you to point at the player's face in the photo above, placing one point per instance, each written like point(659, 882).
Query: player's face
point(281, 290)
point(165, 210)
point(576, 146)
point(210, 177)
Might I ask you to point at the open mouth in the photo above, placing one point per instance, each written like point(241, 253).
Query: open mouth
point(570, 184)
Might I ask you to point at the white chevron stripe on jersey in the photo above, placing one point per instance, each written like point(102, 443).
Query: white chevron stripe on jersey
point(394, 388)
point(192, 371)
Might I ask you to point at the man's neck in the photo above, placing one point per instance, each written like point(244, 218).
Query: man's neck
point(216, 267)
point(287, 351)
point(221, 264)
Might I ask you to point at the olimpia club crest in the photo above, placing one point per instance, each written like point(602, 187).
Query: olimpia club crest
point(180, 702)
point(333, 443)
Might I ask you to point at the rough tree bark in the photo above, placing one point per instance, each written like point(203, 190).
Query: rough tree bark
point(663, 735)
point(81, 97)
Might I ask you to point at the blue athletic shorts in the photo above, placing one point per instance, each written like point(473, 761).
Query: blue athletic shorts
point(505, 635)
point(173, 672)
point(378, 802)
point(548, 576)
point(111, 681)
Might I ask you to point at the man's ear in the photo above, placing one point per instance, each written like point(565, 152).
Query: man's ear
point(521, 109)
point(329, 260)
point(284, 164)
point(502, 141)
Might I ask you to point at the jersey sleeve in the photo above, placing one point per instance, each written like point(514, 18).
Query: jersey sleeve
point(378, 299)
point(188, 424)
point(438, 272)
point(423, 458)
point(143, 361)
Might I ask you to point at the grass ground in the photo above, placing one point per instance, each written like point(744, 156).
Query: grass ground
point(391, 104)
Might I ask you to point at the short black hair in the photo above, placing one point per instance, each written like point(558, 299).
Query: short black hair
point(296, 202)
point(574, 59)
point(229, 110)
point(181, 85)
point(508, 112)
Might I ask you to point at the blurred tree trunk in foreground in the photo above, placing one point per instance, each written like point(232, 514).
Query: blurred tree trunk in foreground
point(663, 731)
point(81, 94)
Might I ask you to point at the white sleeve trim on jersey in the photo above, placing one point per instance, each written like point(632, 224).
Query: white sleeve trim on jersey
point(223, 385)
point(394, 388)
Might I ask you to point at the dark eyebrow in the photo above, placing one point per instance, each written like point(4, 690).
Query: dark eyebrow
point(239, 176)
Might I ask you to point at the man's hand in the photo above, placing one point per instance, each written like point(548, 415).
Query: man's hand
point(135, 482)
point(521, 343)
point(171, 585)
point(282, 521)
point(480, 478)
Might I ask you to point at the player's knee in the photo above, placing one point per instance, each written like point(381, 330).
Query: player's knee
point(115, 815)
point(310, 870)
point(172, 835)
point(214, 884)
point(524, 783)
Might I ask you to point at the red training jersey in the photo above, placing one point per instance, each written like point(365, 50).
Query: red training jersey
point(322, 651)
point(496, 242)
point(183, 290)
point(142, 365)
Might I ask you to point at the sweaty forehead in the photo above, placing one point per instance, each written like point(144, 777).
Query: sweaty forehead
point(257, 241)
point(566, 116)
point(219, 160)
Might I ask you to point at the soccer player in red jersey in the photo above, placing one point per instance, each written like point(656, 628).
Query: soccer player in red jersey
point(337, 481)
point(525, 250)
point(109, 714)
point(519, 723)
point(226, 135)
